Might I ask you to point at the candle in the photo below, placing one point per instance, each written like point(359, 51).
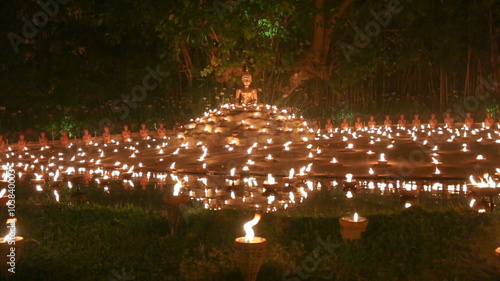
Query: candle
point(349, 184)
point(348, 177)
point(291, 177)
point(352, 226)
point(382, 160)
point(270, 181)
point(269, 158)
point(437, 172)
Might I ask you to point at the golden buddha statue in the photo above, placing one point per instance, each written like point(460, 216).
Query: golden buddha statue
point(246, 95)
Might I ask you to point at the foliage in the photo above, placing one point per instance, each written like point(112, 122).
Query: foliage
point(93, 53)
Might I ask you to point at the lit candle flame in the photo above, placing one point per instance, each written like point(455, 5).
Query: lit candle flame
point(348, 194)
point(348, 177)
point(270, 179)
point(382, 157)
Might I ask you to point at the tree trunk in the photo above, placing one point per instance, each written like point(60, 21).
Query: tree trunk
point(319, 29)
point(494, 56)
point(314, 63)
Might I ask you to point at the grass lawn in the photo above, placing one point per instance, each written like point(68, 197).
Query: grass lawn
point(127, 237)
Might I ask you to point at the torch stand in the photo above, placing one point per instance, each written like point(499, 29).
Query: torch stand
point(174, 213)
point(5, 253)
point(249, 257)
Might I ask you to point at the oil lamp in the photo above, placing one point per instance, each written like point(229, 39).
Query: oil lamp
point(352, 226)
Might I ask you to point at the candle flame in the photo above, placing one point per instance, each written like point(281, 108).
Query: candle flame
point(472, 202)
point(349, 194)
point(250, 234)
point(270, 179)
point(356, 217)
point(348, 177)
point(382, 157)
point(486, 181)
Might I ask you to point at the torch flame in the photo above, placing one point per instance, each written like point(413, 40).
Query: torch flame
point(56, 195)
point(250, 234)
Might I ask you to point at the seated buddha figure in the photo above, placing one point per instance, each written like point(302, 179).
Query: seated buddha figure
point(372, 123)
point(144, 132)
point(246, 95)
point(448, 120)
point(106, 135)
point(402, 121)
point(126, 134)
point(329, 126)
point(433, 122)
point(43, 140)
point(3, 146)
point(162, 131)
point(489, 122)
point(388, 121)
point(22, 142)
point(87, 137)
point(416, 121)
point(345, 124)
point(64, 139)
point(469, 121)
point(359, 124)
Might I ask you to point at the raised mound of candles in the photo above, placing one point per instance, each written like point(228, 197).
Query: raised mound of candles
point(264, 157)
